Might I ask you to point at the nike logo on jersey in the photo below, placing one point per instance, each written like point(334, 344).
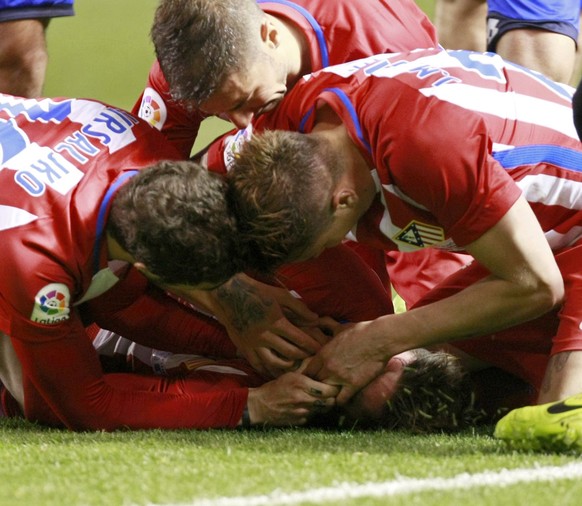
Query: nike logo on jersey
point(562, 407)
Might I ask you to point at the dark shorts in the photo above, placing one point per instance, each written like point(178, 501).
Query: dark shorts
point(13, 10)
point(559, 16)
point(577, 106)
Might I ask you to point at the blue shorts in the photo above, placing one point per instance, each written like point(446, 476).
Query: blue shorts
point(12, 10)
point(559, 16)
point(577, 107)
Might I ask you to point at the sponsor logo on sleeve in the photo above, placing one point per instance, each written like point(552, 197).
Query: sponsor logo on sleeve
point(51, 304)
point(153, 109)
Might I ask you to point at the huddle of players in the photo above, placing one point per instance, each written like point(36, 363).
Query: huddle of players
point(134, 306)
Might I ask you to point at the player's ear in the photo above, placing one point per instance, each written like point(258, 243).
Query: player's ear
point(269, 34)
point(344, 198)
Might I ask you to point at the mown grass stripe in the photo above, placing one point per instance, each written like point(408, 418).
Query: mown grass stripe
point(400, 486)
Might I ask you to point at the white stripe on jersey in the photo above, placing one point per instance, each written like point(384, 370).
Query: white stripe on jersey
point(449, 75)
point(511, 106)
point(558, 241)
point(552, 191)
point(386, 225)
point(390, 188)
point(12, 217)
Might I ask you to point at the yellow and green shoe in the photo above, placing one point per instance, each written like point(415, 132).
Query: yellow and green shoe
point(556, 426)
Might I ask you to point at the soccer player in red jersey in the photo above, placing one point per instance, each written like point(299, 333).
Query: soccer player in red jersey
point(91, 226)
point(494, 170)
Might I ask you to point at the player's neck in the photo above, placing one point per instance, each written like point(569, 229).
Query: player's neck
point(354, 165)
point(363, 181)
point(116, 252)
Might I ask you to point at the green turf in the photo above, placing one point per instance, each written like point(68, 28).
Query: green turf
point(55, 468)
point(102, 52)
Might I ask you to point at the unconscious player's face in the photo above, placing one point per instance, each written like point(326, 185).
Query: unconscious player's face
point(249, 93)
point(370, 403)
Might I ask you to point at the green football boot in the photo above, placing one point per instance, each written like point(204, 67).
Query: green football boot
point(556, 426)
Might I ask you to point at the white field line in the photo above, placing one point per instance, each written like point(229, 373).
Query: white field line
point(400, 486)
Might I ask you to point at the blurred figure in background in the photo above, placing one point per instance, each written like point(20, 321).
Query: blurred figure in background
point(541, 35)
point(23, 50)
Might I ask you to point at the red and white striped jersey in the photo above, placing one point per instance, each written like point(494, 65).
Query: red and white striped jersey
point(454, 137)
point(61, 161)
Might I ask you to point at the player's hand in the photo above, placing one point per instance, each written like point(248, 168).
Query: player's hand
point(272, 329)
point(349, 361)
point(289, 400)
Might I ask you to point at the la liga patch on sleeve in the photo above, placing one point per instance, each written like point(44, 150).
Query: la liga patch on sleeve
point(153, 108)
point(51, 304)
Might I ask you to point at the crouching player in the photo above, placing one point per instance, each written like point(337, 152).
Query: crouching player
point(487, 172)
point(93, 229)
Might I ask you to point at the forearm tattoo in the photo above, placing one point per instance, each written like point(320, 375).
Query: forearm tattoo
point(244, 303)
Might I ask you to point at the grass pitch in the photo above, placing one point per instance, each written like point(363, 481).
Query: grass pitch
point(275, 467)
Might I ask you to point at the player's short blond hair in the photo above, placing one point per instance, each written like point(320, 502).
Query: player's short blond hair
point(281, 187)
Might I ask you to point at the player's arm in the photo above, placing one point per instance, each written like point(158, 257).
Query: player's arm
point(63, 368)
point(270, 327)
point(179, 125)
point(142, 312)
point(525, 282)
point(65, 385)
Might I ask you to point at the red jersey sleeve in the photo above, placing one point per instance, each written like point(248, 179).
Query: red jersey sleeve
point(61, 366)
point(178, 124)
point(147, 315)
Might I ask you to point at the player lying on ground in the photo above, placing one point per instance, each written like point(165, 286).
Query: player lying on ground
point(419, 390)
point(488, 172)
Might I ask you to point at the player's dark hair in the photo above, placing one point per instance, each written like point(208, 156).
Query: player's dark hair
point(434, 394)
point(174, 218)
point(198, 43)
point(280, 186)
